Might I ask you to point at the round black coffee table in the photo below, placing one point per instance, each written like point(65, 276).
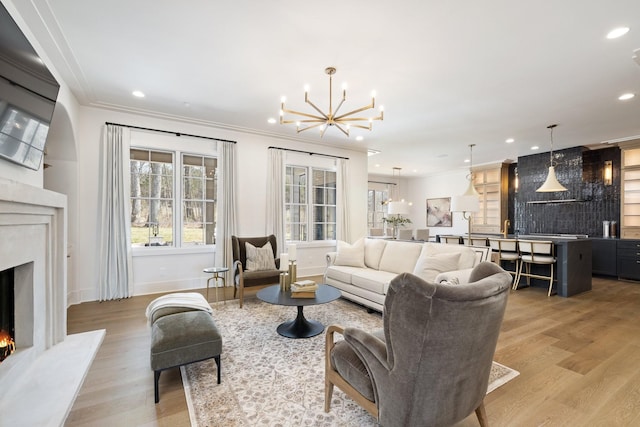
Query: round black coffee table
point(300, 327)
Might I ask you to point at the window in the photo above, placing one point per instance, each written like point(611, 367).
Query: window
point(322, 205)
point(165, 213)
point(199, 200)
point(376, 210)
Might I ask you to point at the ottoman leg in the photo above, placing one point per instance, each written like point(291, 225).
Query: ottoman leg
point(156, 378)
point(217, 359)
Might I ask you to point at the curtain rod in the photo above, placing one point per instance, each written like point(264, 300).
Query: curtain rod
point(382, 182)
point(170, 132)
point(308, 152)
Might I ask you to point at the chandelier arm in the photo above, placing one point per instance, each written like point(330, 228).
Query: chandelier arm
point(310, 127)
point(359, 110)
point(298, 113)
point(294, 122)
point(346, 132)
point(328, 117)
point(338, 108)
point(360, 126)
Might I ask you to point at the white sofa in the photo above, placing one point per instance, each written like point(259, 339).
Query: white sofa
point(362, 271)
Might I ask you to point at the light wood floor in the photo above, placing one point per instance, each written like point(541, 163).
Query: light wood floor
point(578, 357)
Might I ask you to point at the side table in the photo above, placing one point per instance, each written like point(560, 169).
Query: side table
point(216, 276)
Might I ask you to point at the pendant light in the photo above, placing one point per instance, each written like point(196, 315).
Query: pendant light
point(469, 202)
point(551, 184)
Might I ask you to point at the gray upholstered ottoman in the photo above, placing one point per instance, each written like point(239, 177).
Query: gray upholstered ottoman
point(183, 338)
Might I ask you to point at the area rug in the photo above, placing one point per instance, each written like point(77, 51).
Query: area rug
point(270, 380)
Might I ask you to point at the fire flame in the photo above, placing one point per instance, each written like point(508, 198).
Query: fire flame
point(7, 346)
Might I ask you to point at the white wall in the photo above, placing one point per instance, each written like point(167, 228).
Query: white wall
point(448, 184)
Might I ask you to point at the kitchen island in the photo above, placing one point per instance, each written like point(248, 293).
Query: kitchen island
point(573, 262)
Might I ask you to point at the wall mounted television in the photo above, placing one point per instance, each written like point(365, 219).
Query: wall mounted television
point(28, 94)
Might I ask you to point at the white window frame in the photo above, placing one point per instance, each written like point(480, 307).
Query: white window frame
point(195, 147)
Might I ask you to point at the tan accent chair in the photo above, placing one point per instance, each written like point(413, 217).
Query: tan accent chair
point(507, 250)
point(422, 234)
point(430, 364)
point(376, 232)
point(243, 278)
point(405, 234)
point(536, 252)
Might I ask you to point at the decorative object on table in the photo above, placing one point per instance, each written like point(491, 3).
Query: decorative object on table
point(343, 121)
point(304, 289)
point(551, 184)
point(396, 222)
point(284, 278)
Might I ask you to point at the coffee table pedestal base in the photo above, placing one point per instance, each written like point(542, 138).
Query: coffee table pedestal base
point(300, 327)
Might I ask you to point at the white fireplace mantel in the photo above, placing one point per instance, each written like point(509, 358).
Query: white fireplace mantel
point(41, 379)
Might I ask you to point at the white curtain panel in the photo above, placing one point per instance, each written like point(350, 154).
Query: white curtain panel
point(227, 203)
point(115, 278)
point(275, 197)
point(343, 227)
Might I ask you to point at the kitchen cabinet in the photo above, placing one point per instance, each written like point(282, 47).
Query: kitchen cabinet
point(629, 259)
point(630, 191)
point(604, 256)
point(492, 183)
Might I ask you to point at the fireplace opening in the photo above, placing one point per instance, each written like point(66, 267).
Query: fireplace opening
point(7, 313)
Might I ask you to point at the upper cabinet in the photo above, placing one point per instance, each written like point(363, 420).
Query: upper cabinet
point(630, 197)
point(492, 183)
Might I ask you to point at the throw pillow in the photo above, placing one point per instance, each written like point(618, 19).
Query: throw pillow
point(373, 249)
point(350, 255)
point(429, 266)
point(260, 258)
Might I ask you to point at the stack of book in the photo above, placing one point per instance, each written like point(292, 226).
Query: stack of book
point(304, 289)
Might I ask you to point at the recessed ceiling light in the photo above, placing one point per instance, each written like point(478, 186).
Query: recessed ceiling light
point(271, 120)
point(626, 96)
point(360, 138)
point(509, 140)
point(617, 32)
point(467, 160)
point(535, 147)
point(371, 152)
point(378, 165)
point(138, 93)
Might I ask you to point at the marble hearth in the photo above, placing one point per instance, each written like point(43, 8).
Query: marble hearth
point(41, 379)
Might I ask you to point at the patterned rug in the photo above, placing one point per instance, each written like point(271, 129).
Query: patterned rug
point(270, 380)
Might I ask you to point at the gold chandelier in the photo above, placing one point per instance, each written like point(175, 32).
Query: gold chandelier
point(324, 120)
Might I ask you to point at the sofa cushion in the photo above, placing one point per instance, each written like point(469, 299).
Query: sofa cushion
point(372, 280)
point(373, 249)
point(259, 259)
point(429, 266)
point(400, 257)
point(341, 272)
point(350, 255)
point(467, 255)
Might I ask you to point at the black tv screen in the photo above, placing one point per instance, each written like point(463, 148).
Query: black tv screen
point(28, 94)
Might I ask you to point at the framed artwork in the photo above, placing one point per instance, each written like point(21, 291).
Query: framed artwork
point(439, 212)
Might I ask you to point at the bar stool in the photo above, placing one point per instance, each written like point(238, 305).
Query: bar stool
point(450, 240)
point(536, 252)
point(216, 276)
point(476, 241)
point(507, 250)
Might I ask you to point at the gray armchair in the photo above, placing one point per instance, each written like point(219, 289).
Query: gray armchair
point(243, 278)
point(430, 364)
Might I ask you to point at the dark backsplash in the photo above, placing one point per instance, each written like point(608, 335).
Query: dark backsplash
point(580, 170)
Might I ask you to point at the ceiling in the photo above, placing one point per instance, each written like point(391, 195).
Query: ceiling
point(449, 74)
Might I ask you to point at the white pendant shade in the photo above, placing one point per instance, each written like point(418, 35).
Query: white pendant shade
point(551, 184)
point(397, 208)
point(471, 190)
point(465, 203)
